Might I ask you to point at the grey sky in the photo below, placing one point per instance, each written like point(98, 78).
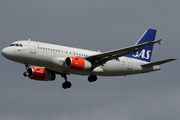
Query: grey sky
point(96, 25)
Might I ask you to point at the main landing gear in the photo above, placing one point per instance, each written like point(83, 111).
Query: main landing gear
point(67, 84)
point(92, 78)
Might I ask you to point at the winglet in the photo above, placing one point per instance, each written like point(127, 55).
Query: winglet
point(159, 41)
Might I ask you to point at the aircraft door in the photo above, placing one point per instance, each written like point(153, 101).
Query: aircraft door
point(32, 47)
point(130, 64)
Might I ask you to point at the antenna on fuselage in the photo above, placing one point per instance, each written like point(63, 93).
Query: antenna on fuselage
point(29, 39)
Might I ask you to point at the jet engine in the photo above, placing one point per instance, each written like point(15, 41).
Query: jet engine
point(77, 63)
point(40, 74)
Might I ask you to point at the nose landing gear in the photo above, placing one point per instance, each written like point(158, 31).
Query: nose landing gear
point(27, 68)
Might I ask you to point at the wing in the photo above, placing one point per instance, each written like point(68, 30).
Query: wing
point(101, 58)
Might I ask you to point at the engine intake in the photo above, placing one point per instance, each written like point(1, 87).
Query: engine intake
point(77, 63)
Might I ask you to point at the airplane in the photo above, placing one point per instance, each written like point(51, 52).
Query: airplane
point(49, 59)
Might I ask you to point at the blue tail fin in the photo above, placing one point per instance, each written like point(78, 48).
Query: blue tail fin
point(146, 52)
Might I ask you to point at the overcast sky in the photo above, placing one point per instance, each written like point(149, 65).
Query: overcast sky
point(95, 25)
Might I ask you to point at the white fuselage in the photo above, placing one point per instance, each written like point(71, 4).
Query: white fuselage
point(52, 57)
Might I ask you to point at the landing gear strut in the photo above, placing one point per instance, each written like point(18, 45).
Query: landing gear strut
point(65, 84)
point(27, 68)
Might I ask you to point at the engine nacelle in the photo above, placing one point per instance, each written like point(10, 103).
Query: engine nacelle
point(40, 74)
point(77, 63)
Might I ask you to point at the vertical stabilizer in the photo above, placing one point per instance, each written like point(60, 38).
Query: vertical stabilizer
point(146, 52)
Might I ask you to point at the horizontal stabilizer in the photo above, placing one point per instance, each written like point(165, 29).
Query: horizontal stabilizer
point(157, 63)
point(159, 41)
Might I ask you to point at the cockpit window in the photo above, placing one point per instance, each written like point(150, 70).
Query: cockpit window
point(18, 45)
point(12, 44)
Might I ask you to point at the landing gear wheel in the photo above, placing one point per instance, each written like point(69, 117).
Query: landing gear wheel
point(92, 78)
point(25, 74)
point(66, 84)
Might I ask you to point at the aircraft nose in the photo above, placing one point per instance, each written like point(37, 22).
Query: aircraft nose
point(5, 52)
point(9, 53)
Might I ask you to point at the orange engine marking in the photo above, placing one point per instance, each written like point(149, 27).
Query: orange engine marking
point(77, 63)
